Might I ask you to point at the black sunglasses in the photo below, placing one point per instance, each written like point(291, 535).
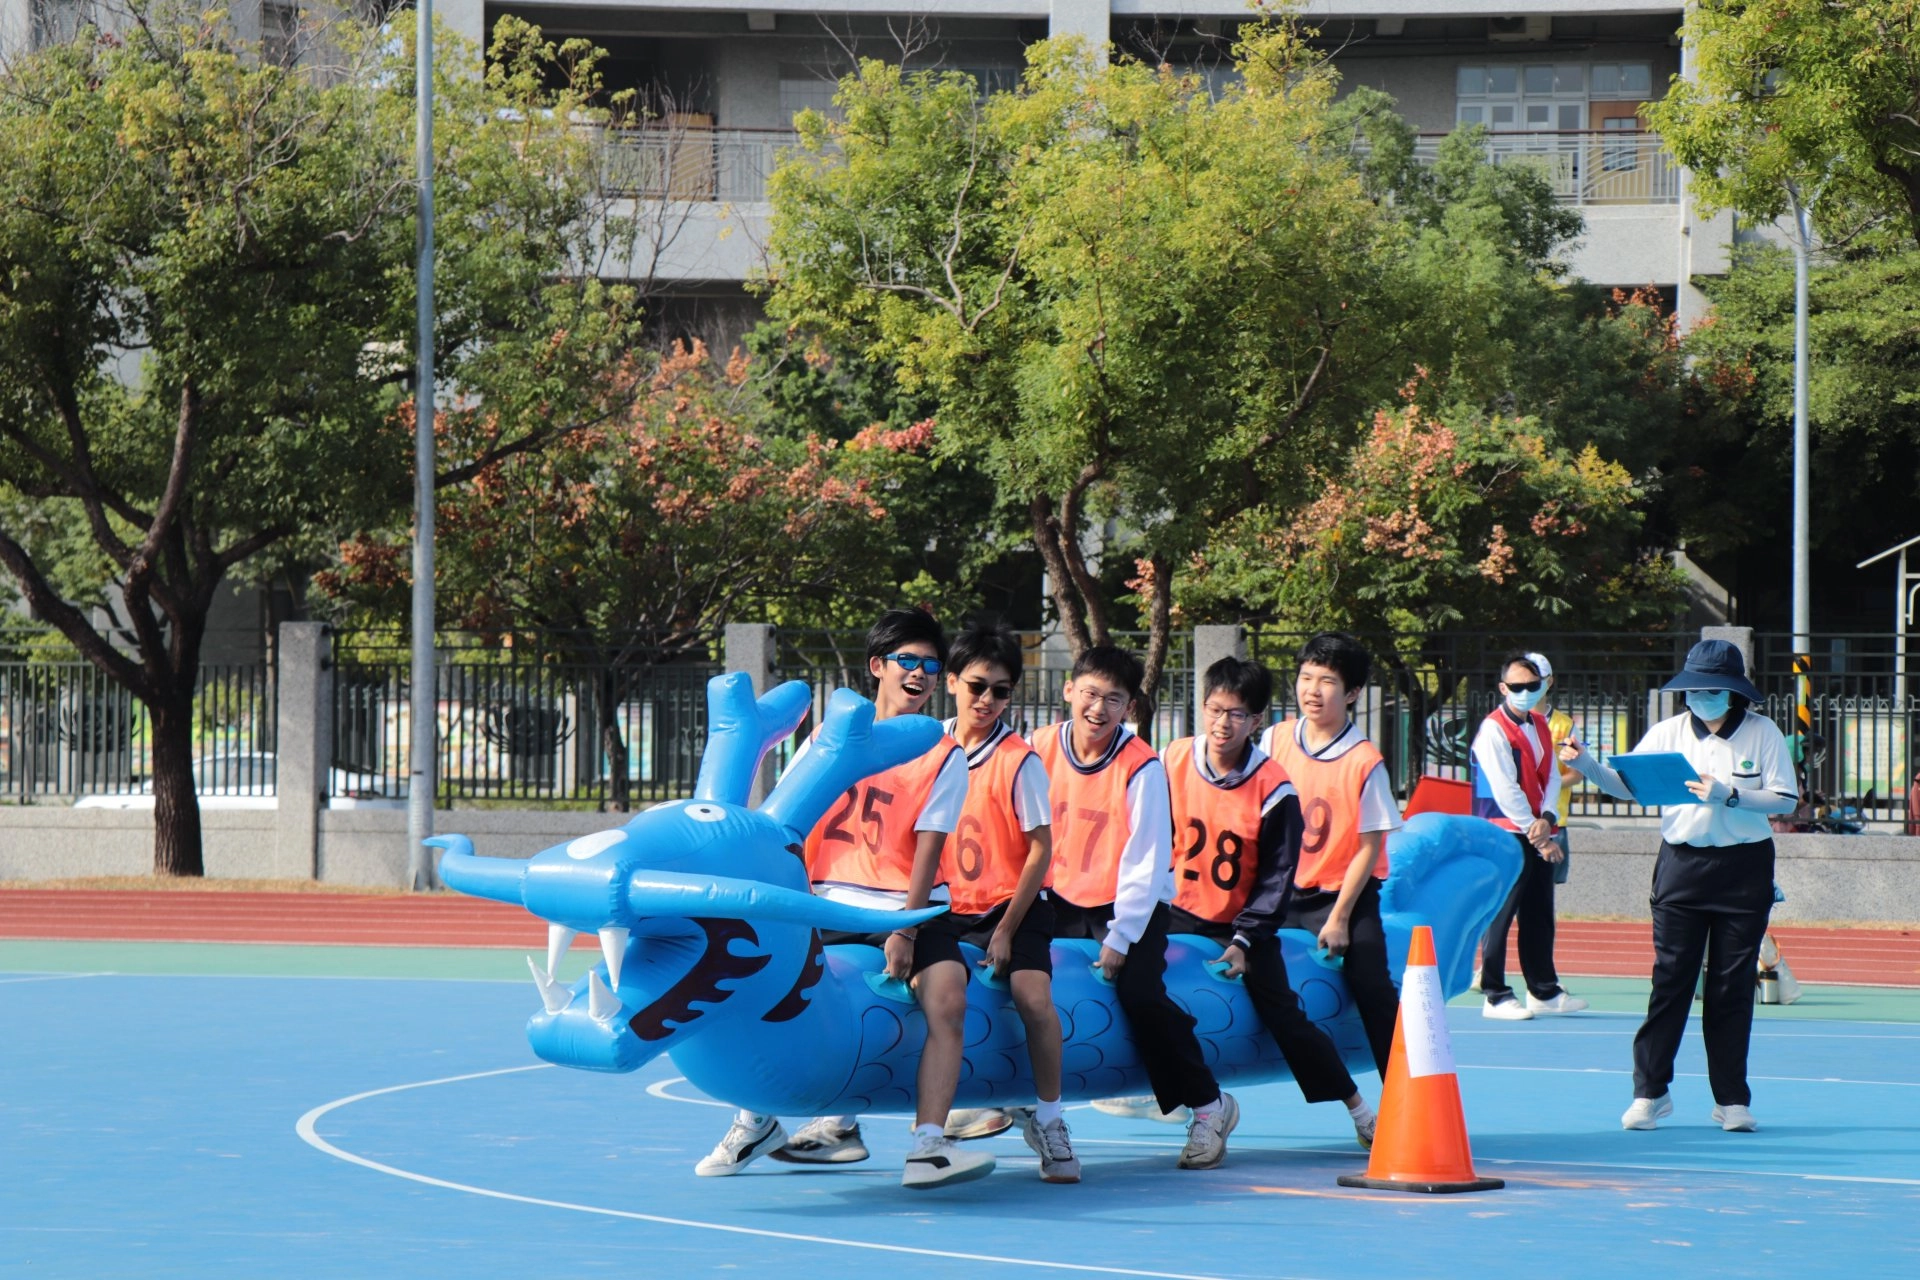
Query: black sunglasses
point(914, 662)
point(1000, 692)
point(1523, 686)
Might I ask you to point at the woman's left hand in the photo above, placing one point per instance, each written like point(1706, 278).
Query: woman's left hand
point(1709, 790)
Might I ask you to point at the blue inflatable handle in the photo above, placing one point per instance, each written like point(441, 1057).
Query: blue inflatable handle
point(1327, 960)
point(991, 977)
point(1217, 969)
point(1099, 974)
point(888, 987)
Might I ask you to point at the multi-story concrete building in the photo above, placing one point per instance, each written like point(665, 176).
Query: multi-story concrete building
point(1556, 82)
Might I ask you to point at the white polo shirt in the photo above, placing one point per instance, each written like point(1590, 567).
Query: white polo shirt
point(1748, 752)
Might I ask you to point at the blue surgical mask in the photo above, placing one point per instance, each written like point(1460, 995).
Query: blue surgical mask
point(1709, 704)
point(1525, 700)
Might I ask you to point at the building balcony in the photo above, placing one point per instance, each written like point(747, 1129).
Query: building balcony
point(1590, 167)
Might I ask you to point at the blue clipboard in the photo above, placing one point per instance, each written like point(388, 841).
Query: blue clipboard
point(1657, 778)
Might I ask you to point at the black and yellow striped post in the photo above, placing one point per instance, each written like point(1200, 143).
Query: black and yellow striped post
point(1802, 713)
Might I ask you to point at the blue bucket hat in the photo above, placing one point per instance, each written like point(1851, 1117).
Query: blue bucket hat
point(1714, 664)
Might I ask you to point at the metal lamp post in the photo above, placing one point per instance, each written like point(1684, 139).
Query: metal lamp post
point(424, 710)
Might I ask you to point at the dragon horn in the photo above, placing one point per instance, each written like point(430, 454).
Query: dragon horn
point(670, 893)
point(496, 878)
point(741, 730)
point(850, 746)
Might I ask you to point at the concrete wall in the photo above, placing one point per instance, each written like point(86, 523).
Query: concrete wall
point(1866, 879)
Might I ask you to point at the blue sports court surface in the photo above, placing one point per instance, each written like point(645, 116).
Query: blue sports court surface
point(206, 1111)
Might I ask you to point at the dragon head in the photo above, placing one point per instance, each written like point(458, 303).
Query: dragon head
point(702, 906)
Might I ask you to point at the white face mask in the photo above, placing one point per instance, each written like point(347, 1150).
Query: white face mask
point(1525, 700)
point(1709, 704)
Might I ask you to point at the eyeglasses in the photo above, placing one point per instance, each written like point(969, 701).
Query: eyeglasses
point(915, 662)
point(1232, 715)
point(980, 689)
point(1523, 686)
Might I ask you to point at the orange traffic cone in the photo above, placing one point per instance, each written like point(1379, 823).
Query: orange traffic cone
point(1421, 1141)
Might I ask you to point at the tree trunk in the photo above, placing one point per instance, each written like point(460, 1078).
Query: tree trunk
point(1159, 638)
point(176, 806)
point(613, 742)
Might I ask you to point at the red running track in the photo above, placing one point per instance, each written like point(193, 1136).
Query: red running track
point(1877, 957)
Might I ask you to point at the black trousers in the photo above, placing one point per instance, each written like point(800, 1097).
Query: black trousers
point(1162, 1031)
point(1711, 904)
point(1531, 902)
point(1309, 1051)
point(1369, 979)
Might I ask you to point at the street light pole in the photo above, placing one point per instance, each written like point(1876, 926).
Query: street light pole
point(425, 705)
point(1802, 468)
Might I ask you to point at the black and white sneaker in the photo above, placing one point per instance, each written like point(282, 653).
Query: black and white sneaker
point(937, 1161)
point(743, 1144)
point(823, 1141)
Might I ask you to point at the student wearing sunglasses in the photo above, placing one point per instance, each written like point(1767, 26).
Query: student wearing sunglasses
point(997, 869)
point(1516, 785)
point(880, 846)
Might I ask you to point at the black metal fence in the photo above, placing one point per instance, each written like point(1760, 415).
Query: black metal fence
point(69, 733)
point(529, 725)
point(520, 726)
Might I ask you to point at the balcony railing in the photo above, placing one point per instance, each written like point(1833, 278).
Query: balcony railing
point(1599, 167)
point(1584, 168)
point(719, 165)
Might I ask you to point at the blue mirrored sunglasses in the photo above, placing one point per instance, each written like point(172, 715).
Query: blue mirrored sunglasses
point(915, 662)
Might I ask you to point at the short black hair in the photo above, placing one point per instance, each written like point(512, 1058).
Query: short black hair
point(990, 642)
point(1522, 658)
point(1113, 663)
point(1340, 653)
point(905, 626)
point(1250, 682)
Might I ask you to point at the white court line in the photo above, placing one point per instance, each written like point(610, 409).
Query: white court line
point(57, 977)
point(1479, 1158)
point(305, 1127)
point(1690, 1075)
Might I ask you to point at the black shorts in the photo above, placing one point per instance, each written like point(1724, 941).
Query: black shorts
point(940, 937)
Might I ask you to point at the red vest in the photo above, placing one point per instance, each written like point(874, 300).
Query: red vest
point(1534, 774)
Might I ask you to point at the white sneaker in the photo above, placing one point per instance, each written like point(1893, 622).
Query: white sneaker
point(1052, 1143)
point(967, 1123)
point(1646, 1111)
point(1562, 1003)
point(822, 1142)
point(1363, 1130)
point(1735, 1118)
point(1141, 1107)
point(743, 1144)
point(1207, 1135)
point(938, 1160)
point(1507, 1010)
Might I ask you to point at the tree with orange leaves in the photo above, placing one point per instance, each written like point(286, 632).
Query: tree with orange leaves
point(634, 542)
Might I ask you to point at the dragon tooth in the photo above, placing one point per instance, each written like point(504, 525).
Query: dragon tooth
point(559, 938)
point(602, 1004)
point(554, 996)
point(613, 946)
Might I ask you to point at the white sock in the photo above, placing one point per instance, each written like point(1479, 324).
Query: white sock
point(1209, 1109)
point(1361, 1110)
point(1047, 1112)
point(926, 1132)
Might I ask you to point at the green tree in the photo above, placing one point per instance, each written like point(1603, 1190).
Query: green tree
point(205, 277)
point(1802, 96)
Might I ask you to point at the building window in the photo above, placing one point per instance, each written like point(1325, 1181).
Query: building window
point(1538, 98)
point(58, 21)
point(280, 32)
point(1630, 80)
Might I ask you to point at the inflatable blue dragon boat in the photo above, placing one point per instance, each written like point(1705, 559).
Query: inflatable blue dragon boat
point(711, 946)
